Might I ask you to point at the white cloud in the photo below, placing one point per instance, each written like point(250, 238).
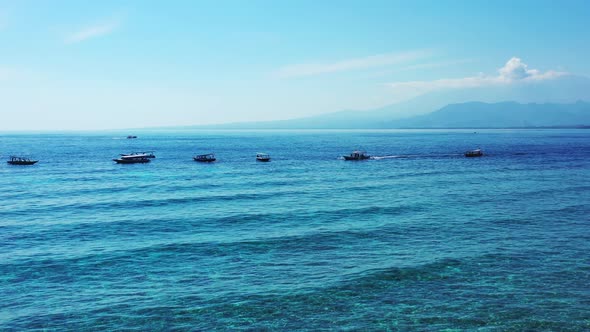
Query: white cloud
point(92, 31)
point(513, 71)
point(516, 70)
point(311, 69)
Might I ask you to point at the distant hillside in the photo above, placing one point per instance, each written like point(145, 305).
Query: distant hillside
point(501, 115)
point(460, 115)
point(532, 104)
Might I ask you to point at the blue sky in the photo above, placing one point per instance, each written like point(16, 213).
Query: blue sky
point(122, 64)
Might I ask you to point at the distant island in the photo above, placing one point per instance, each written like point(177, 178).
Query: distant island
point(459, 115)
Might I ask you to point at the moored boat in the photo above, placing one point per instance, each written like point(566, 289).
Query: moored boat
point(264, 157)
point(357, 155)
point(205, 158)
point(21, 161)
point(131, 136)
point(474, 153)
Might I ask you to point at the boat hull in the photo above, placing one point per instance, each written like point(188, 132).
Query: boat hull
point(264, 160)
point(23, 163)
point(356, 158)
point(204, 160)
point(139, 155)
point(473, 154)
point(131, 161)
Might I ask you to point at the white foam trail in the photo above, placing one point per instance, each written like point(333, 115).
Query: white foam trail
point(416, 156)
point(385, 157)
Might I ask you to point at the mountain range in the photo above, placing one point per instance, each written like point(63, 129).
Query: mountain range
point(500, 115)
point(561, 102)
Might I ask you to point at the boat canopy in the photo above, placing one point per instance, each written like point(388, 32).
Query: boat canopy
point(137, 155)
point(15, 158)
point(208, 156)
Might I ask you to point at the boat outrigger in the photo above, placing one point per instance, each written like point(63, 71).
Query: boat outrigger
point(357, 155)
point(21, 161)
point(205, 158)
point(474, 153)
point(265, 157)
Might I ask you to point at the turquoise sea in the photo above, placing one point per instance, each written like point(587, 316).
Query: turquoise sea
point(418, 239)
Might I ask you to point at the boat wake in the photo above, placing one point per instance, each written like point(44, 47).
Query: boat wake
point(386, 157)
point(417, 156)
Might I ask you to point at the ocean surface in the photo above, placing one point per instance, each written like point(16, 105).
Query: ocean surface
point(419, 238)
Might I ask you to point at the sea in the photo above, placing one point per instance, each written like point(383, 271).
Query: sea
point(418, 238)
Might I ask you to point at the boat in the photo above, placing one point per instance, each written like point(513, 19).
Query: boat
point(147, 154)
point(474, 153)
point(136, 160)
point(21, 161)
point(131, 136)
point(263, 157)
point(205, 158)
point(357, 155)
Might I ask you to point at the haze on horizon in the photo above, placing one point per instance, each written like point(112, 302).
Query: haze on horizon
point(127, 64)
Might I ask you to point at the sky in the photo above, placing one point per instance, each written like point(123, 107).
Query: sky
point(87, 65)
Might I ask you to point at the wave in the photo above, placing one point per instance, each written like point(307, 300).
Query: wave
point(129, 204)
point(305, 226)
point(102, 199)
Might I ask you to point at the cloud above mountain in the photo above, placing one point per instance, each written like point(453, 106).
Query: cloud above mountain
point(514, 71)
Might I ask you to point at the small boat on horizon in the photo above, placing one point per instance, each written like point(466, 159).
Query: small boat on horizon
point(205, 158)
point(357, 155)
point(14, 160)
point(131, 137)
point(264, 157)
point(474, 153)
